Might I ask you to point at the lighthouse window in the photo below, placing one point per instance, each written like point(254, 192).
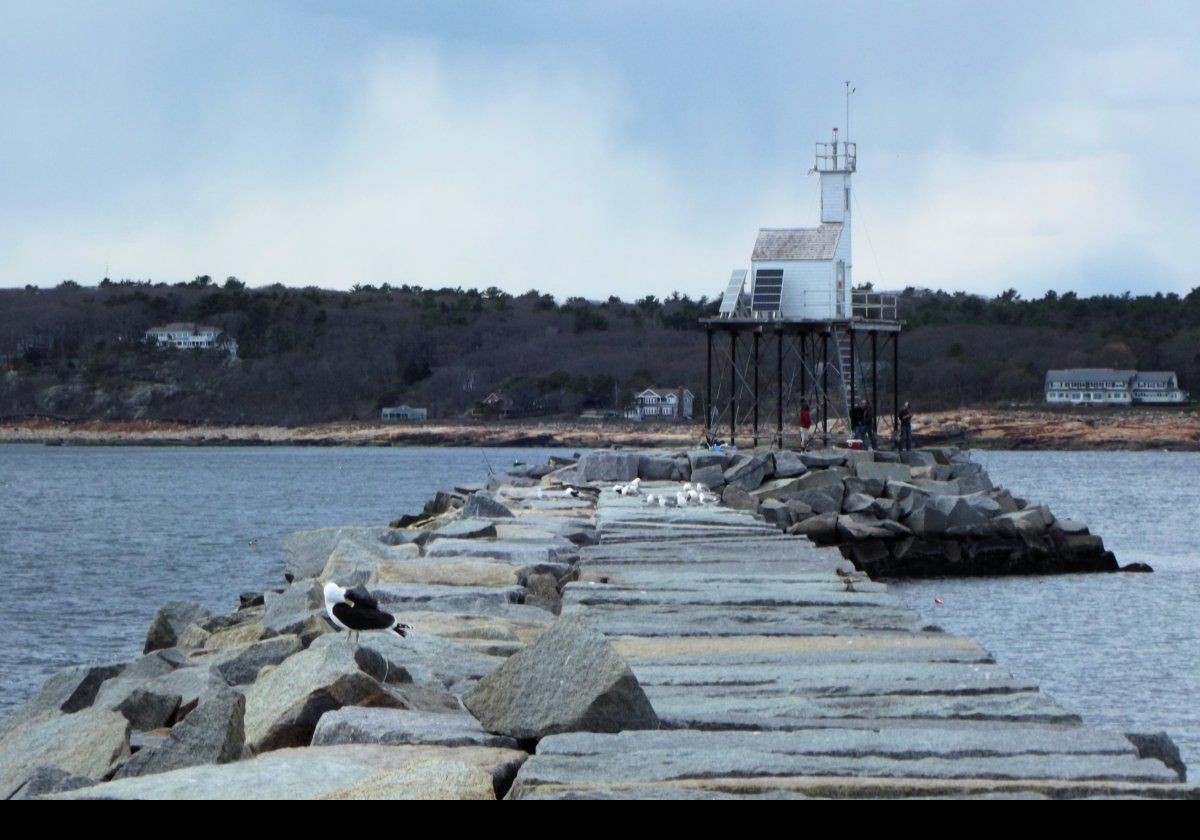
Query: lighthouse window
point(768, 288)
point(847, 199)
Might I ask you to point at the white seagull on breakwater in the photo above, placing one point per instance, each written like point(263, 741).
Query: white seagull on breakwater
point(355, 610)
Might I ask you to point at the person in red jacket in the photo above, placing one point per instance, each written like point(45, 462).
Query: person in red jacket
point(805, 424)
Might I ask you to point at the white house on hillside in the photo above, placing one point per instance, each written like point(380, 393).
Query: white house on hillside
point(661, 404)
point(1105, 386)
point(189, 336)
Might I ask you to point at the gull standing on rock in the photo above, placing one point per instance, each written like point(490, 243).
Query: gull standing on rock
point(355, 610)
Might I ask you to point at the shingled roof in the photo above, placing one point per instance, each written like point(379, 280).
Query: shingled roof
point(819, 243)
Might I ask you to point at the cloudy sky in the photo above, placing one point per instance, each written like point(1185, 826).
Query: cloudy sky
point(596, 148)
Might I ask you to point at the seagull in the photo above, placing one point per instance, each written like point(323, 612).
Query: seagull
point(355, 610)
point(572, 492)
point(680, 499)
point(849, 575)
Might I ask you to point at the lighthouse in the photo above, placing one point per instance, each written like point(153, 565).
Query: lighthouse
point(802, 274)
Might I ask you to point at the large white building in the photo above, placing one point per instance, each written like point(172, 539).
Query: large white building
point(661, 404)
point(1105, 386)
point(192, 336)
point(803, 273)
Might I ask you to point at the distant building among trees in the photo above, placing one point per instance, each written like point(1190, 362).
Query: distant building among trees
point(1105, 386)
point(405, 412)
point(661, 404)
point(188, 336)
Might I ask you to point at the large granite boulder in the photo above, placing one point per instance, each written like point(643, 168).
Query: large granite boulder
point(212, 734)
point(823, 458)
point(700, 459)
point(91, 743)
point(169, 621)
point(788, 464)
point(284, 704)
point(608, 465)
point(882, 472)
point(655, 466)
point(465, 529)
point(147, 709)
point(357, 725)
point(738, 499)
point(68, 690)
point(425, 779)
point(46, 780)
point(311, 773)
point(306, 552)
point(569, 679)
point(749, 471)
point(712, 477)
point(240, 665)
point(483, 505)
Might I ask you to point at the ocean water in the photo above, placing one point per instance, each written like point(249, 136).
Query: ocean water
point(93, 540)
point(1123, 650)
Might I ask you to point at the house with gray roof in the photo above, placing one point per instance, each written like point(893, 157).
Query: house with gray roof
point(1106, 386)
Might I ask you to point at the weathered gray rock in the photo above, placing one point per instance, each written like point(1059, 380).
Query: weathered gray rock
point(90, 743)
point(654, 466)
point(608, 465)
point(776, 488)
point(858, 502)
point(240, 665)
point(466, 529)
point(137, 674)
point(855, 528)
point(749, 471)
point(1159, 745)
point(405, 536)
point(212, 734)
point(483, 505)
point(296, 600)
point(66, 691)
point(148, 709)
point(284, 704)
point(869, 486)
point(306, 552)
point(822, 500)
point(738, 499)
point(882, 472)
point(823, 458)
point(315, 773)
point(712, 477)
point(777, 513)
point(700, 459)
point(169, 621)
point(918, 458)
point(926, 522)
point(356, 725)
point(788, 464)
point(46, 780)
point(569, 679)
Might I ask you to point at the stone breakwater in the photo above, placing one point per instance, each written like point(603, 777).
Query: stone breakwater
point(927, 513)
point(568, 642)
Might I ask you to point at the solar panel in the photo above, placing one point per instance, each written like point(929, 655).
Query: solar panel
point(768, 289)
point(733, 292)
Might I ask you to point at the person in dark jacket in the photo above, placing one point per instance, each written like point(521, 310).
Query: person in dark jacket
point(867, 431)
point(906, 416)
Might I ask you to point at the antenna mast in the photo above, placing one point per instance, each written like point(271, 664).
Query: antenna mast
point(849, 90)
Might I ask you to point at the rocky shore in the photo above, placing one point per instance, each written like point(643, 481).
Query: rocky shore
point(1099, 428)
point(572, 642)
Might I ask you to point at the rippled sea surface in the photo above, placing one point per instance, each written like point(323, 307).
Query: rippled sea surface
point(93, 540)
point(1122, 650)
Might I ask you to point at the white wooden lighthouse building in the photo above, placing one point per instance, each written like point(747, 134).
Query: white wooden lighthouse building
point(799, 274)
